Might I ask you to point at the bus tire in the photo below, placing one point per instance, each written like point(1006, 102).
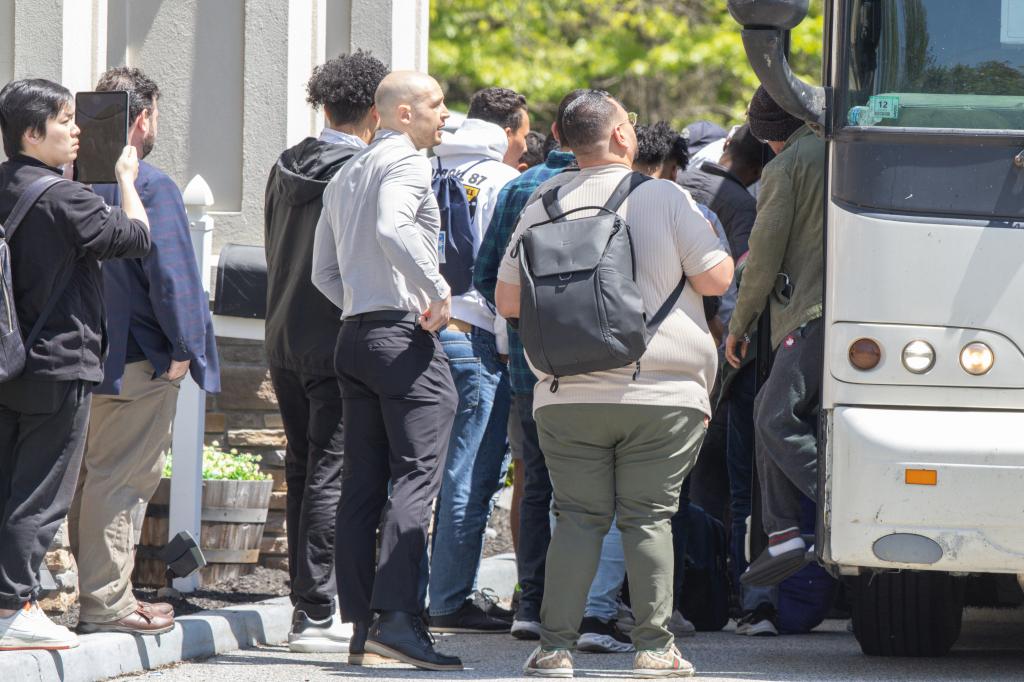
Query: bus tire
point(909, 613)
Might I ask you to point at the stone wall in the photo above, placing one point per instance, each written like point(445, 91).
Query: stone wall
point(244, 416)
point(61, 564)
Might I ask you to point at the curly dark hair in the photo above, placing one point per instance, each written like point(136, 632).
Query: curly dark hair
point(142, 91)
point(500, 106)
point(534, 153)
point(345, 86)
point(654, 143)
point(680, 151)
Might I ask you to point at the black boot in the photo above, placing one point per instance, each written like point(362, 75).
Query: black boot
point(401, 636)
point(357, 653)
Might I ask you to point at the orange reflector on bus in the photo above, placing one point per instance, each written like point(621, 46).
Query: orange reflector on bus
point(922, 477)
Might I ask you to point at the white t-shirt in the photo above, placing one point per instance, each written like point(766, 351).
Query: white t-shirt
point(670, 236)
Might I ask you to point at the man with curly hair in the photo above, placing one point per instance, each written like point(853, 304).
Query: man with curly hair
point(301, 329)
point(654, 147)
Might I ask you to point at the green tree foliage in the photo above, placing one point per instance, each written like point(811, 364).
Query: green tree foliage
point(673, 60)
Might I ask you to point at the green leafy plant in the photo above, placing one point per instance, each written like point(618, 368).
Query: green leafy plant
point(230, 465)
point(671, 60)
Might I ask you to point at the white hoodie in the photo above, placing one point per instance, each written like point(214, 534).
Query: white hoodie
point(481, 145)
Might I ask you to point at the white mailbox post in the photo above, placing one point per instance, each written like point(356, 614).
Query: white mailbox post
point(190, 420)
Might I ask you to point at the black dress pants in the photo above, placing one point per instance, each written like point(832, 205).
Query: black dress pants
point(399, 401)
point(43, 426)
point(311, 411)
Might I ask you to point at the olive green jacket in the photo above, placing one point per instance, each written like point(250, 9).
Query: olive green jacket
point(787, 241)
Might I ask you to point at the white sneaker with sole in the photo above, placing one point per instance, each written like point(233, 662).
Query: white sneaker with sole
point(758, 623)
point(30, 628)
point(328, 636)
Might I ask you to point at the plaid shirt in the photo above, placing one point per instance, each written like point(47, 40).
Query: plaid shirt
point(511, 202)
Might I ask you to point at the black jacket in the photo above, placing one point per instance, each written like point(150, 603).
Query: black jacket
point(69, 227)
point(720, 190)
point(302, 325)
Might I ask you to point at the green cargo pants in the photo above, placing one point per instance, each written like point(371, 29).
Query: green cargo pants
point(608, 460)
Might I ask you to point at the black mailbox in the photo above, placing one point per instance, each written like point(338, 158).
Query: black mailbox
point(241, 289)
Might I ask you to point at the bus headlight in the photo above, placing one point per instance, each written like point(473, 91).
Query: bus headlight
point(918, 357)
point(977, 358)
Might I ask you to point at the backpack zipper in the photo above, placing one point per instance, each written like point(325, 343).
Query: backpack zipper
point(636, 372)
point(554, 384)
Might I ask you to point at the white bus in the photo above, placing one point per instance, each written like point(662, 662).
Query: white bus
point(921, 461)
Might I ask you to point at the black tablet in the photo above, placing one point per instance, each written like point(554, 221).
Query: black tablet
point(103, 120)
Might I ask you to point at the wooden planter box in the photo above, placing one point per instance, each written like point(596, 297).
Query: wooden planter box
point(233, 515)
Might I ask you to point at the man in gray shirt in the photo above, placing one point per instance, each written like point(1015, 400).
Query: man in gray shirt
point(375, 256)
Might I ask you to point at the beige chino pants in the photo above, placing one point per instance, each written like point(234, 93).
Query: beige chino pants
point(129, 436)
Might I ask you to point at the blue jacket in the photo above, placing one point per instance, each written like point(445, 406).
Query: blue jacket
point(156, 305)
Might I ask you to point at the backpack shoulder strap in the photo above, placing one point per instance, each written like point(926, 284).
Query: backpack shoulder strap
point(629, 183)
point(666, 307)
point(551, 204)
point(18, 213)
point(28, 199)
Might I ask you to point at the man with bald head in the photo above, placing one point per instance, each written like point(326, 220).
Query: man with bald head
point(375, 256)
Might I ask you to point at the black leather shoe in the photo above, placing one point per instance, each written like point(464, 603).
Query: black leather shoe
point(400, 635)
point(357, 653)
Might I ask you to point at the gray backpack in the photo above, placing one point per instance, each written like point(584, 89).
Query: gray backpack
point(580, 307)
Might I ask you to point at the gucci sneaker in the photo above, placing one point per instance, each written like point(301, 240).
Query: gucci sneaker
point(664, 663)
point(549, 663)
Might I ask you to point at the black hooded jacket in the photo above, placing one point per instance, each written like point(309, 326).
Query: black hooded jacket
point(302, 325)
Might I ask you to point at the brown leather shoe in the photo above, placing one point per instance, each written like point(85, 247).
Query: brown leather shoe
point(141, 621)
point(161, 607)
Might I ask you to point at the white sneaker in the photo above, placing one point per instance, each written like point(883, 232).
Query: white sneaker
point(328, 636)
point(758, 623)
point(30, 628)
point(679, 626)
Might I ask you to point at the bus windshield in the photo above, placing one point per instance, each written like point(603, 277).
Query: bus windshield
point(936, 64)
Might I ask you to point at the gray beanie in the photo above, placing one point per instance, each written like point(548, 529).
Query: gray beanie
point(768, 121)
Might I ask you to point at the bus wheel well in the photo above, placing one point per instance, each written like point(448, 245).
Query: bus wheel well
point(907, 613)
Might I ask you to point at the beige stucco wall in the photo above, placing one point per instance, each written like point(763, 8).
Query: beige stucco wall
point(232, 73)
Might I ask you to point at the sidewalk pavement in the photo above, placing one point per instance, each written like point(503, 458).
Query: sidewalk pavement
point(106, 655)
point(202, 635)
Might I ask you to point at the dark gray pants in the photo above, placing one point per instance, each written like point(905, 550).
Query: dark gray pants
point(42, 437)
point(399, 401)
point(786, 422)
point(311, 411)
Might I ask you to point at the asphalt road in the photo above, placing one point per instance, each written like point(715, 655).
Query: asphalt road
point(991, 648)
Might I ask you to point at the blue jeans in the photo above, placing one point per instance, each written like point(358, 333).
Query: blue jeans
point(474, 470)
point(739, 456)
point(602, 600)
point(603, 597)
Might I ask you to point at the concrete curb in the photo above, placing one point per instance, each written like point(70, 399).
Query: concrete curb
point(106, 655)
